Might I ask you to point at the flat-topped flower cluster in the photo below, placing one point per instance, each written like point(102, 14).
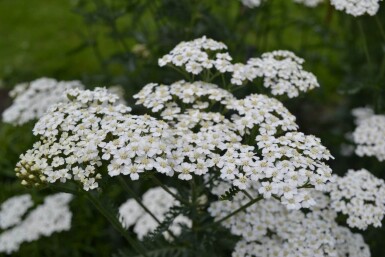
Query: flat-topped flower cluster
point(249, 140)
point(352, 7)
point(282, 71)
point(267, 227)
point(31, 100)
point(369, 135)
point(52, 216)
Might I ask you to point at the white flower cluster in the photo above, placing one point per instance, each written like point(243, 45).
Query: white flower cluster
point(197, 95)
point(267, 114)
point(256, 3)
point(357, 7)
point(285, 163)
point(158, 202)
point(52, 216)
point(362, 113)
point(12, 210)
point(369, 136)
point(31, 100)
point(77, 137)
point(282, 71)
point(197, 55)
point(268, 229)
point(339, 242)
point(361, 196)
point(352, 7)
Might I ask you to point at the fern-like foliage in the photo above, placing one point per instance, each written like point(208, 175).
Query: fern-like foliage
point(169, 217)
point(160, 248)
point(229, 194)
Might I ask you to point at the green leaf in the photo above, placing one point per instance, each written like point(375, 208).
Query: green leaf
point(229, 195)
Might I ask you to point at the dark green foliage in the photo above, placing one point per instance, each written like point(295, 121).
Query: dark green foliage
point(157, 249)
point(165, 224)
point(229, 195)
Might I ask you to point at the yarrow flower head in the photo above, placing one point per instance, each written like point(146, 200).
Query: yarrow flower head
point(203, 129)
point(211, 141)
point(369, 136)
point(196, 95)
point(357, 7)
point(52, 216)
point(362, 113)
point(199, 54)
point(32, 100)
point(283, 73)
point(352, 7)
point(70, 133)
point(361, 196)
point(12, 210)
point(282, 70)
point(158, 203)
point(267, 228)
point(256, 3)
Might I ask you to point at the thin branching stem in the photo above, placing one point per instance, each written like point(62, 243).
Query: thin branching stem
point(127, 188)
point(381, 28)
point(194, 213)
point(111, 217)
point(159, 183)
point(242, 208)
point(247, 194)
point(365, 44)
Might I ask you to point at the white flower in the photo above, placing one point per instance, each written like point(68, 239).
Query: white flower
point(185, 169)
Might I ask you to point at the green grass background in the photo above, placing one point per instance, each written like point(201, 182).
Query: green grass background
point(37, 38)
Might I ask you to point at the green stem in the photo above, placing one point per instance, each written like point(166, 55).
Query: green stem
point(366, 50)
point(180, 71)
point(242, 208)
point(381, 28)
point(115, 223)
point(64, 189)
point(194, 213)
point(247, 194)
point(236, 88)
point(211, 78)
point(159, 183)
